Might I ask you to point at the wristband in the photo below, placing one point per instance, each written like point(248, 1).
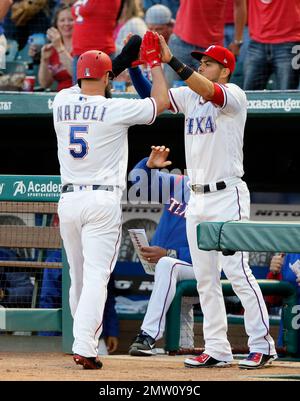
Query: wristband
point(183, 70)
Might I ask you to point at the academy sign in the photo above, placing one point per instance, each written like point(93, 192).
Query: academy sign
point(22, 188)
point(36, 189)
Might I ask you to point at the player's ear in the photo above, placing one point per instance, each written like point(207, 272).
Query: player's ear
point(106, 79)
point(225, 73)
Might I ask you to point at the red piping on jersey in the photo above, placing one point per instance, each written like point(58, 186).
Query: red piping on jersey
point(173, 105)
point(219, 95)
point(154, 111)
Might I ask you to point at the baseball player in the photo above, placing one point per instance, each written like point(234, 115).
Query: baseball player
point(215, 114)
point(91, 132)
point(168, 249)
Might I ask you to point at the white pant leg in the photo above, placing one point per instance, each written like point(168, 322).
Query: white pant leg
point(211, 297)
point(70, 231)
point(168, 272)
point(100, 218)
point(233, 203)
point(256, 316)
point(244, 284)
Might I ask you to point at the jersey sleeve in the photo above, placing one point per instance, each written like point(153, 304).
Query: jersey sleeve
point(234, 99)
point(178, 99)
point(73, 90)
point(138, 111)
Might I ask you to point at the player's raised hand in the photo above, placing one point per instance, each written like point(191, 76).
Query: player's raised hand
point(129, 55)
point(150, 49)
point(166, 54)
point(158, 157)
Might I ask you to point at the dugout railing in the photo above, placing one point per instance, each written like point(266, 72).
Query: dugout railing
point(249, 236)
point(188, 288)
point(34, 195)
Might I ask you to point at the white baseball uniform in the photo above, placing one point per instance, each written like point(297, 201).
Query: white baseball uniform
point(214, 153)
point(92, 151)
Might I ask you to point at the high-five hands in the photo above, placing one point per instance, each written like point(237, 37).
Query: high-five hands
point(150, 50)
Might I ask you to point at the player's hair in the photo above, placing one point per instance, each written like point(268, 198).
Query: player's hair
point(223, 66)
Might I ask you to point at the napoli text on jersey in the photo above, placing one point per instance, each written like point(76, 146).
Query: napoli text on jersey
point(91, 127)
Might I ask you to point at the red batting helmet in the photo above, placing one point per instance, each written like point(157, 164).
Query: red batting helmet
point(94, 64)
point(218, 53)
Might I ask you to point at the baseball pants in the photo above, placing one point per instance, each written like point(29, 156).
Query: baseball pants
point(232, 203)
point(168, 272)
point(90, 226)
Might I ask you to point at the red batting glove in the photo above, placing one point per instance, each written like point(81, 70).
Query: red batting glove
point(150, 49)
point(138, 62)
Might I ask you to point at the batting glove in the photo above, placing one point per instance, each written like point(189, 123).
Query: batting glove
point(150, 49)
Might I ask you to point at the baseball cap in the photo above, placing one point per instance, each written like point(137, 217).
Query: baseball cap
point(218, 53)
point(158, 15)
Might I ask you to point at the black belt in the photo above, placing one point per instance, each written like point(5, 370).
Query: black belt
point(202, 189)
point(70, 187)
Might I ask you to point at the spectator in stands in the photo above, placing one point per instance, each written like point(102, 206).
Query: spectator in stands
point(56, 59)
point(169, 247)
point(210, 17)
point(274, 32)
point(93, 27)
point(130, 21)
point(16, 288)
point(236, 47)
point(51, 297)
point(173, 5)
point(19, 27)
point(159, 19)
point(4, 8)
point(281, 269)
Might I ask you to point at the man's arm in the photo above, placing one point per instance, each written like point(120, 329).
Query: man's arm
point(141, 84)
point(240, 19)
point(159, 90)
point(150, 52)
point(195, 81)
point(4, 7)
point(155, 184)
